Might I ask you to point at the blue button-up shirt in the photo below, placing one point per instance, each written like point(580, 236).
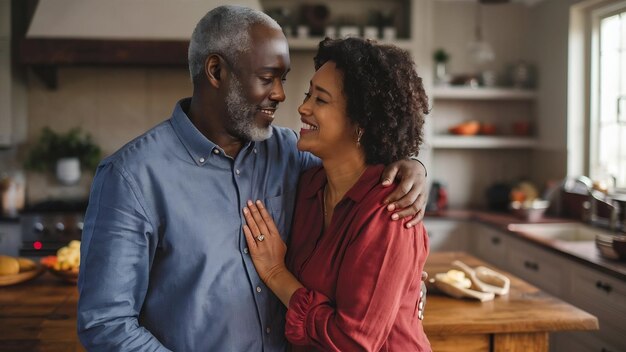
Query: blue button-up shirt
point(164, 260)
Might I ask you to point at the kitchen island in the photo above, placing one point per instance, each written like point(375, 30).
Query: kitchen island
point(519, 321)
point(40, 315)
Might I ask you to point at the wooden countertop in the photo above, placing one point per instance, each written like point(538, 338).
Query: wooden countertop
point(525, 309)
point(40, 315)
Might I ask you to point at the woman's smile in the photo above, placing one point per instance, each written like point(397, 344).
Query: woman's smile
point(307, 127)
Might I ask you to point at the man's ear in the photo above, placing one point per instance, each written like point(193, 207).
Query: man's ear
point(214, 70)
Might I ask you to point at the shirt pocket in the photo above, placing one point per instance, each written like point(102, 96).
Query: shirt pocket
point(281, 209)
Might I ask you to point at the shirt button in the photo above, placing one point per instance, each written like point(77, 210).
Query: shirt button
point(237, 171)
point(245, 250)
point(258, 289)
point(216, 151)
point(254, 150)
point(201, 160)
point(268, 330)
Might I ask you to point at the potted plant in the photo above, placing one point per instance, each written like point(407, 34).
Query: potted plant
point(441, 58)
point(64, 154)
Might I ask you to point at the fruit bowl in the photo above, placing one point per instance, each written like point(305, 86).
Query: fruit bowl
point(529, 211)
point(67, 275)
point(28, 270)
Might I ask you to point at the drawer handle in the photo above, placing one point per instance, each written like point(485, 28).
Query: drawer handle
point(495, 240)
point(604, 286)
point(531, 265)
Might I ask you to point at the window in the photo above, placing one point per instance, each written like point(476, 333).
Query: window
point(607, 124)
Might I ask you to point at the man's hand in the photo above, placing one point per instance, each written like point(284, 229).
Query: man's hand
point(409, 198)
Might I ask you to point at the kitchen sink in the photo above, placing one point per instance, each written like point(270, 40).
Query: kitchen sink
point(569, 232)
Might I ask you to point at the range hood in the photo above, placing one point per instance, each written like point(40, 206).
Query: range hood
point(112, 32)
point(121, 19)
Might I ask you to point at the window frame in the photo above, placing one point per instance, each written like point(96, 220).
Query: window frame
point(583, 50)
point(597, 16)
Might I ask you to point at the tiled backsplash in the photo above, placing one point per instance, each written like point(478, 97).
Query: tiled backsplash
point(114, 105)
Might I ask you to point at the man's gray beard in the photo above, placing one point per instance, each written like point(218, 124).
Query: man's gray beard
point(242, 115)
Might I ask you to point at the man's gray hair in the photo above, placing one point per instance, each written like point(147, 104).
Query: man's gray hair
point(223, 31)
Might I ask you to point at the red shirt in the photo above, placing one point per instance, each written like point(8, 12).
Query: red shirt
point(362, 276)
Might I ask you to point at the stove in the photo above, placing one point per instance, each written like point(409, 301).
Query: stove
point(48, 226)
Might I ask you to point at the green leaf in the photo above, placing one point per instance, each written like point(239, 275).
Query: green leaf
point(52, 146)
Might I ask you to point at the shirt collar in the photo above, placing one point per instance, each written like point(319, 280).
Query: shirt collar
point(367, 181)
point(198, 146)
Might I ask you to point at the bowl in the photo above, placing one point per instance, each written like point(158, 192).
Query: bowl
point(611, 246)
point(619, 245)
point(529, 211)
point(25, 274)
point(70, 276)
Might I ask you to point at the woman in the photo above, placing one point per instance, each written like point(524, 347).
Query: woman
point(351, 279)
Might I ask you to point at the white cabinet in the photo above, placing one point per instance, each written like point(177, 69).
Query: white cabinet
point(447, 235)
point(538, 266)
point(579, 341)
point(591, 290)
point(605, 297)
point(527, 261)
point(489, 244)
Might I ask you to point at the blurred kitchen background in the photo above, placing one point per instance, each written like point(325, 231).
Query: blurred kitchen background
point(528, 105)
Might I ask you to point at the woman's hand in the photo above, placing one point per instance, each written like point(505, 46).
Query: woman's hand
point(267, 249)
point(409, 198)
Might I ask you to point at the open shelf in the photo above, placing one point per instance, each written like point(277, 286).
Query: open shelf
point(312, 43)
point(469, 93)
point(482, 142)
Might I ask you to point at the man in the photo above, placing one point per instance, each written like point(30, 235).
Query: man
point(164, 261)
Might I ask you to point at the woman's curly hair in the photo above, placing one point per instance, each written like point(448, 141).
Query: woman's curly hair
point(384, 94)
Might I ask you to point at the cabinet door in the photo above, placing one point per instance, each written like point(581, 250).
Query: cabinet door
point(447, 235)
point(489, 245)
point(537, 266)
point(10, 239)
point(581, 341)
point(605, 297)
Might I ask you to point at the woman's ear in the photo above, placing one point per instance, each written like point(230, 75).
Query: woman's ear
point(213, 70)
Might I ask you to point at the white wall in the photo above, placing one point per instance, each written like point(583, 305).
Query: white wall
point(504, 26)
point(548, 47)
